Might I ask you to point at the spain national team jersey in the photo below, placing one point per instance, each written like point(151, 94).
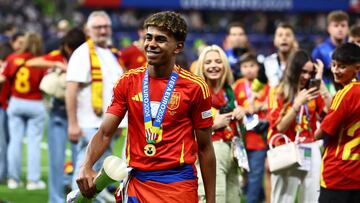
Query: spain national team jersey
point(132, 57)
point(189, 108)
point(55, 55)
point(307, 127)
point(341, 160)
point(241, 87)
point(24, 80)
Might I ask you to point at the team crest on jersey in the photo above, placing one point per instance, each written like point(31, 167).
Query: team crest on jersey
point(174, 101)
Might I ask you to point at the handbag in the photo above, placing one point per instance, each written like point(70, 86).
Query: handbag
point(283, 156)
point(54, 84)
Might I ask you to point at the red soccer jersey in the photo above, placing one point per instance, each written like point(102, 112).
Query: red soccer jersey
point(227, 133)
point(25, 81)
point(253, 140)
point(133, 57)
point(5, 94)
point(308, 121)
point(55, 55)
point(341, 160)
point(188, 108)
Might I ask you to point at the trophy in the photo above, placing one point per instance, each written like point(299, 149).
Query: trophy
point(114, 169)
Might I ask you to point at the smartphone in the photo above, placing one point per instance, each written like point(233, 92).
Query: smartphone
point(314, 83)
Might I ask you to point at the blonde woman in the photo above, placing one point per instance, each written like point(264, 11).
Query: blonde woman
point(214, 68)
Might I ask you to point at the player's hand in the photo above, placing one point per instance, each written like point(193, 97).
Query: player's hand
point(74, 132)
point(238, 113)
point(222, 120)
point(85, 181)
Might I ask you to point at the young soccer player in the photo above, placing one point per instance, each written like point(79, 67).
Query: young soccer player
point(170, 121)
point(340, 174)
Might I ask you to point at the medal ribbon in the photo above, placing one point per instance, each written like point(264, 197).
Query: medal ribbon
point(152, 130)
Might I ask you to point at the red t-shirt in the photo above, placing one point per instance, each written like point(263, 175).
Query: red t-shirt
point(188, 109)
point(55, 55)
point(132, 57)
point(253, 140)
point(5, 94)
point(308, 121)
point(227, 133)
point(341, 160)
point(25, 80)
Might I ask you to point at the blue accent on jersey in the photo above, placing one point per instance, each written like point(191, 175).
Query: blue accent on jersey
point(179, 174)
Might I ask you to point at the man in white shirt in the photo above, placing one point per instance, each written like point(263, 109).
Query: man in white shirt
point(284, 41)
point(92, 72)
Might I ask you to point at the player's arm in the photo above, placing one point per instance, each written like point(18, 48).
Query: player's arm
point(74, 130)
point(41, 62)
point(319, 134)
point(207, 162)
point(97, 146)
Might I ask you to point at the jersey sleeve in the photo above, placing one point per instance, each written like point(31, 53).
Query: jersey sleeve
point(338, 111)
point(53, 56)
point(118, 105)
point(201, 114)
point(315, 54)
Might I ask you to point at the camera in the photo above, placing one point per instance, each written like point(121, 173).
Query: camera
point(225, 109)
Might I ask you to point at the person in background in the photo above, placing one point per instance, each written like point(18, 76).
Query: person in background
point(354, 37)
point(214, 68)
point(238, 44)
point(354, 34)
point(57, 124)
point(340, 174)
point(255, 107)
point(26, 113)
point(6, 49)
point(284, 41)
point(294, 110)
point(338, 29)
point(92, 71)
point(134, 56)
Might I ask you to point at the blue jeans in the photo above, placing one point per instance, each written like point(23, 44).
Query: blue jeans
point(254, 188)
point(25, 117)
point(57, 140)
point(81, 148)
point(4, 138)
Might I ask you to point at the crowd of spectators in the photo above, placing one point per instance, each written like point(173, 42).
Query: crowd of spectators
point(210, 26)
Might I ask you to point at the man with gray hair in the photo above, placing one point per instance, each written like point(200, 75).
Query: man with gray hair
point(92, 72)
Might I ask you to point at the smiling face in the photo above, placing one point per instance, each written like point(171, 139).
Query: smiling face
point(284, 39)
point(160, 47)
point(306, 74)
point(213, 66)
point(343, 74)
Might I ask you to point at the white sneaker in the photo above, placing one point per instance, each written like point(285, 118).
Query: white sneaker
point(39, 185)
point(13, 184)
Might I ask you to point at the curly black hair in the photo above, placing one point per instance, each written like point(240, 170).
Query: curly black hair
point(169, 21)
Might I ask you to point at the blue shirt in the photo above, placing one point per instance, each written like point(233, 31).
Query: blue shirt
point(323, 52)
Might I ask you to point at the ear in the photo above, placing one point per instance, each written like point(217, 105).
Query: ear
point(357, 67)
point(179, 47)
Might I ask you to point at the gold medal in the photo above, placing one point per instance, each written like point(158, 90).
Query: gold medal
point(149, 150)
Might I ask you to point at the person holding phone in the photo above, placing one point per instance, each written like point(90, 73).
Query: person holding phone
point(214, 68)
point(294, 109)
